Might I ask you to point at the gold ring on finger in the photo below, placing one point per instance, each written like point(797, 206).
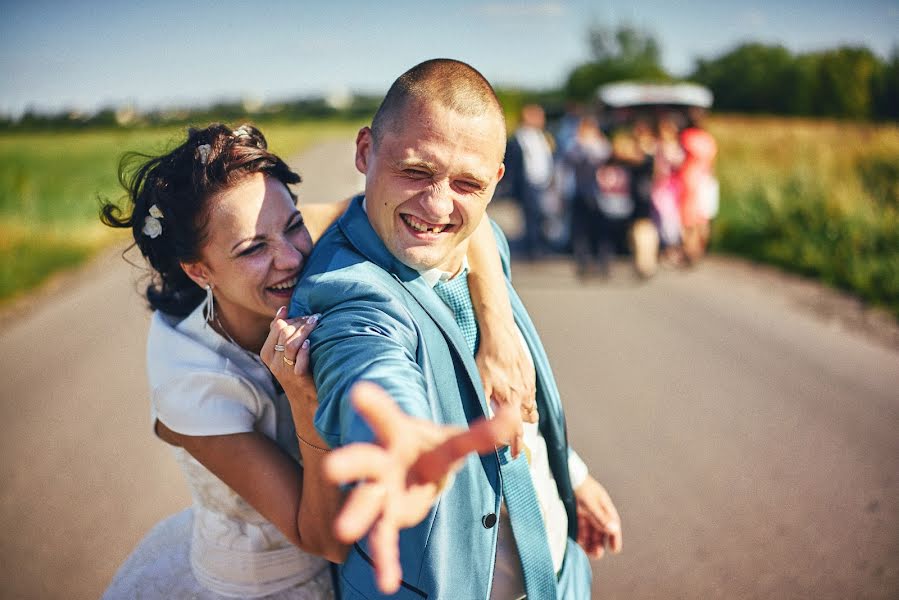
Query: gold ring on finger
point(279, 348)
point(288, 361)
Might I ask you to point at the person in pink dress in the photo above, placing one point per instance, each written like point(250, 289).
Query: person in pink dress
point(699, 190)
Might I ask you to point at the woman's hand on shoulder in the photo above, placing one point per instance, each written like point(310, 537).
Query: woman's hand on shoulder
point(508, 374)
point(286, 354)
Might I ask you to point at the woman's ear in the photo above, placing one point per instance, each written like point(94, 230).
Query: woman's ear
point(197, 272)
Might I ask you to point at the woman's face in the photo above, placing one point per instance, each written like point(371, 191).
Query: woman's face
point(256, 246)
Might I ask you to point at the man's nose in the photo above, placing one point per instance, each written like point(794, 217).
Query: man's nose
point(437, 202)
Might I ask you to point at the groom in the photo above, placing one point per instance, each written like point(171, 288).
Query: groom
point(389, 281)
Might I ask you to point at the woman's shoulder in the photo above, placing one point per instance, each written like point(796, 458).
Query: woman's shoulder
point(195, 387)
point(176, 345)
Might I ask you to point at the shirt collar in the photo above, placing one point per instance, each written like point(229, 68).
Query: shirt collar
point(434, 276)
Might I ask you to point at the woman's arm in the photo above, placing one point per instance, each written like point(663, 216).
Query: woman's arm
point(320, 216)
point(269, 480)
point(506, 369)
point(295, 498)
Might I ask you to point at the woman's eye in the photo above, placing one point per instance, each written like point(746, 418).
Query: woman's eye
point(298, 224)
point(251, 250)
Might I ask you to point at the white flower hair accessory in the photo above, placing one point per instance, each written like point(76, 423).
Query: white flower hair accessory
point(241, 131)
point(152, 223)
point(203, 151)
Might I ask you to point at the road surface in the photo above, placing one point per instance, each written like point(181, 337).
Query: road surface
point(751, 446)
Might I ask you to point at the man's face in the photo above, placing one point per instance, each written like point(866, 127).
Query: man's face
point(428, 181)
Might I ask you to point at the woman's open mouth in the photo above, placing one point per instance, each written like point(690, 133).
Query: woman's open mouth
point(285, 288)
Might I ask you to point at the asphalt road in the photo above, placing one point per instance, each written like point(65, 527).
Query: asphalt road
point(752, 446)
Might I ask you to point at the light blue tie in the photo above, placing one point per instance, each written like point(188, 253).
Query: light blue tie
point(454, 293)
point(518, 489)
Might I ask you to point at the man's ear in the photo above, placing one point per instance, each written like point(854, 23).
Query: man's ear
point(364, 145)
point(501, 172)
point(197, 272)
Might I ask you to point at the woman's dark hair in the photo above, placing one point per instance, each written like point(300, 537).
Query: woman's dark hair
point(179, 185)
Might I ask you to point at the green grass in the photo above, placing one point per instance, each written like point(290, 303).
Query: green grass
point(50, 184)
point(820, 198)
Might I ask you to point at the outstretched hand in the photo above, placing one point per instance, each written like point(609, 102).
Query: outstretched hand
point(400, 477)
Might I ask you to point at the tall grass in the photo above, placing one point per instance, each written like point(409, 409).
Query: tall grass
point(816, 197)
point(50, 184)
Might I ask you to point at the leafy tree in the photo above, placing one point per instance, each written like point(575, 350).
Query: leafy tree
point(845, 80)
point(842, 82)
point(751, 77)
point(622, 53)
point(886, 88)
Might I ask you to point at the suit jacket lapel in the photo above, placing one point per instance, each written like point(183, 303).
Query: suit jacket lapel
point(358, 230)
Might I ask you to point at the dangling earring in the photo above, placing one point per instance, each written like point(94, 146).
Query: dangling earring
point(209, 309)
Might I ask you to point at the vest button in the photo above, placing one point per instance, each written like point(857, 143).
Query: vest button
point(489, 520)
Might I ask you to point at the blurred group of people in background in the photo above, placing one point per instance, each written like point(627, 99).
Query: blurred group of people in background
point(636, 182)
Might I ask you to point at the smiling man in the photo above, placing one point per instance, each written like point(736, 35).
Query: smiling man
point(390, 282)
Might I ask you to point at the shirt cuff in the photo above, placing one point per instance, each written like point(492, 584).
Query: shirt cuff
point(577, 470)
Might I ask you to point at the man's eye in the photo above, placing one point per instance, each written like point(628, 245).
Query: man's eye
point(470, 186)
point(417, 173)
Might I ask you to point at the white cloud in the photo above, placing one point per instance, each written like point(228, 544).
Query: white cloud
point(521, 9)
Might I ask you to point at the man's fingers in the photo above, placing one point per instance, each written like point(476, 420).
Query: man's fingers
point(483, 437)
point(384, 545)
point(379, 410)
point(359, 512)
point(613, 532)
point(354, 463)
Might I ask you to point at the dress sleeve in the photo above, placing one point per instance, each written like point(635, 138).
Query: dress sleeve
point(203, 403)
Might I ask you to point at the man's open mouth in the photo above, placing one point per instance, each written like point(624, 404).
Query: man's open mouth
point(420, 226)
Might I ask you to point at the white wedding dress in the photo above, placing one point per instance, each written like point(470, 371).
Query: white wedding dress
point(220, 547)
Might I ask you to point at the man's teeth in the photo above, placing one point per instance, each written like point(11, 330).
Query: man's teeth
point(286, 285)
point(421, 227)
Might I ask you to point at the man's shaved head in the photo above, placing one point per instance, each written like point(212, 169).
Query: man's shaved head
point(448, 83)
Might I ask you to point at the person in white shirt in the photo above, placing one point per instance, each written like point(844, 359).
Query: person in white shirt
point(530, 164)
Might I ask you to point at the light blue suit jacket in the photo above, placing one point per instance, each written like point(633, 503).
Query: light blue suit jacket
point(382, 322)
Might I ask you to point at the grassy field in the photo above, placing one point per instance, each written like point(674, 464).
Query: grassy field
point(815, 197)
point(50, 184)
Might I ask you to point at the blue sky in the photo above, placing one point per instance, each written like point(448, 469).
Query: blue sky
point(84, 54)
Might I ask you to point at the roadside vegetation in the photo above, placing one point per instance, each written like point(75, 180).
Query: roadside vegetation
point(50, 184)
point(816, 197)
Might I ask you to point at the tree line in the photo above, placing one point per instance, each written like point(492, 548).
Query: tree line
point(845, 82)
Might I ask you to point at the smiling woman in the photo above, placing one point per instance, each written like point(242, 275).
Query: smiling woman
point(218, 225)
